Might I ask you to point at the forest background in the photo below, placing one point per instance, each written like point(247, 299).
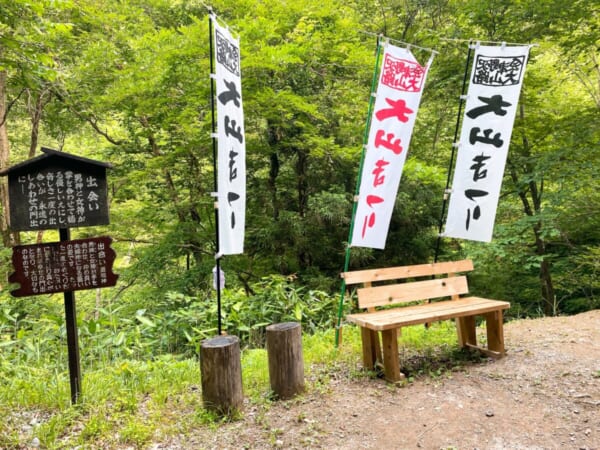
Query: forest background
point(127, 82)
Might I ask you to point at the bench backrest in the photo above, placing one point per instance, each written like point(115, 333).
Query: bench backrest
point(391, 294)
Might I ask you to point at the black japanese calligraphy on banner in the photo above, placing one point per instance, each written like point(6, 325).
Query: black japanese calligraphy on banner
point(231, 161)
point(228, 54)
point(490, 111)
point(499, 70)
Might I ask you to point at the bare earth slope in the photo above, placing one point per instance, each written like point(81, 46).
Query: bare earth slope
point(544, 395)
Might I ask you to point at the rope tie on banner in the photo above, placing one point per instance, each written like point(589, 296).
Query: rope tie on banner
point(213, 15)
point(476, 43)
point(430, 62)
point(407, 45)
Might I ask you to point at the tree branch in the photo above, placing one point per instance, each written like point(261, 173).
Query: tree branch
point(93, 122)
point(9, 106)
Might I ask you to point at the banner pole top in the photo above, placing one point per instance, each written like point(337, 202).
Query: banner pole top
point(388, 40)
point(217, 19)
point(473, 43)
point(408, 45)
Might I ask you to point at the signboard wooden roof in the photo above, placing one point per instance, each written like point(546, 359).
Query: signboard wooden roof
point(54, 156)
point(57, 190)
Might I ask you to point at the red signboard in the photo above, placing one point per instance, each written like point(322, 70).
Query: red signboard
point(63, 266)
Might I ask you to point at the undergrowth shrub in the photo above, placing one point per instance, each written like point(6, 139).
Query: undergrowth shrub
point(172, 324)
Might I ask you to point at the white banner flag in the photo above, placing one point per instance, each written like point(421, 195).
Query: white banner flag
point(231, 161)
point(398, 96)
point(490, 111)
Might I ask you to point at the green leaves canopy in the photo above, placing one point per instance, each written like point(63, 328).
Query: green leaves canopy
point(128, 82)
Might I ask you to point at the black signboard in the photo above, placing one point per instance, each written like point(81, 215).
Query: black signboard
point(63, 266)
point(57, 190)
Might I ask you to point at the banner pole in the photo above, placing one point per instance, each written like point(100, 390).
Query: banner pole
point(215, 177)
point(357, 190)
point(453, 153)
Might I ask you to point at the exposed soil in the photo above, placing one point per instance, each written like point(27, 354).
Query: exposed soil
point(545, 394)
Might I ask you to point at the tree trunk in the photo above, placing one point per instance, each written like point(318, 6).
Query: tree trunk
point(302, 184)
point(273, 173)
point(304, 255)
point(9, 239)
point(545, 276)
point(35, 112)
point(550, 305)
point(533, 207)
point(273, 139)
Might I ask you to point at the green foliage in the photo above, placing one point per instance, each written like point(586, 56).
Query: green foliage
point(172, 324)
point(133, 96)
point(135, 402)
point(276, 299)
point(127, 82)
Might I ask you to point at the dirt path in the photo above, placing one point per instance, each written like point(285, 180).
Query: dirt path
point(544, 395)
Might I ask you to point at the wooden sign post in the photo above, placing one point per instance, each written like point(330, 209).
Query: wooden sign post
point(72, 333)
point(59, 191)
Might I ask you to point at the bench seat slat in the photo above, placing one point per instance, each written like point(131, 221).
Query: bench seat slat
point(424, 313)
point(408, 292)
point(401, 272)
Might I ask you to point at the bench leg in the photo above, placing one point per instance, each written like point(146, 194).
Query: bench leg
point(495, 332)
point(371, 348)
point(465, 327)
point(391, 359)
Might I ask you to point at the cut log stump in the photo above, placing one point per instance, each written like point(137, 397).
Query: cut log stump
point(286, 363)
point(221, 372)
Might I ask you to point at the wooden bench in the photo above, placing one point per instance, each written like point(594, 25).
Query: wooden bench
point(418, 288)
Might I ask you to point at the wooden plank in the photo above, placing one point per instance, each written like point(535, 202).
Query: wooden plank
point(486, 351)
point(376, 347)
point(433, 312)
point(427, 312)
point(408, 292)
point(465, 328)
point(495, 331)
point(391, 358)
point(401, 272)
point(421, 313)
point(370, 347)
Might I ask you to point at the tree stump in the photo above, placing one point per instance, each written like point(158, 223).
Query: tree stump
point(221, 372)
point(286, 364)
